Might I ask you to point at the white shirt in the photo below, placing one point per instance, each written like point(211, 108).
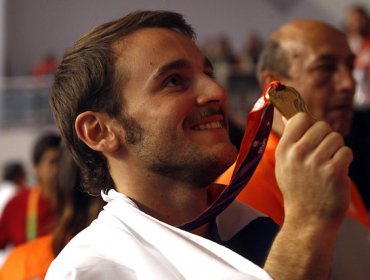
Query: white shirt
point(125, 243)
point(7, 191)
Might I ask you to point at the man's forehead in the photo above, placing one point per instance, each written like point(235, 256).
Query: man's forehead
point(147, 55)
point(310, 34)
point(154, 47)
point(149, 38)
point(334, 50)
point(317, 47)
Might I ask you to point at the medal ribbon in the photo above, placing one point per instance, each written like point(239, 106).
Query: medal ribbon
point(259, 122)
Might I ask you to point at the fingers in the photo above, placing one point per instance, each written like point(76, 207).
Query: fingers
point(296, 127)
point(317, 135)
point(305, 134)
point(329, 145)
point(343, 158)
point(311, 140)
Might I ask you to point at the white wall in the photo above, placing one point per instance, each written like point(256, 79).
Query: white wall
point(38, 26)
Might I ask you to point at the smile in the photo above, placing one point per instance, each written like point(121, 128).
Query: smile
point(210, 125)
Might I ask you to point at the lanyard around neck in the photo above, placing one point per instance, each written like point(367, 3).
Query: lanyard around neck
point(31, 218)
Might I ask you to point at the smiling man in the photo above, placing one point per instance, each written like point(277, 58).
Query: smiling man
point(136, 102)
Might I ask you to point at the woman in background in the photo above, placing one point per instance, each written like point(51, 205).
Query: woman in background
point(75, 210)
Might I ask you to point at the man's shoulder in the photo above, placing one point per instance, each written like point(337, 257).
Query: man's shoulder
point(81, 262)
point(107, 249)
point(105, 235)
point(93, 247)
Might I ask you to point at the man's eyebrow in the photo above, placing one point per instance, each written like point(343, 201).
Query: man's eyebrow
point(175, 65)
point(331, 57)
point(325, 57)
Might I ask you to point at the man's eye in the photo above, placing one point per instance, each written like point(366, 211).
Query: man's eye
point(175, 81)
point(327, 67)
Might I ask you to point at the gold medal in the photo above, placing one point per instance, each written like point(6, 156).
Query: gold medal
point(286, 99)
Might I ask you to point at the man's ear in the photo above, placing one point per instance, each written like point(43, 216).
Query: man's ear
point(268, 76)
point(97, 131)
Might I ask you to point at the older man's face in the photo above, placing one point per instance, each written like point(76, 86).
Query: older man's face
point(321, 70)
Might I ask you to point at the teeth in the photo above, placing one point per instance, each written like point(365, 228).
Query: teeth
point(209, 125)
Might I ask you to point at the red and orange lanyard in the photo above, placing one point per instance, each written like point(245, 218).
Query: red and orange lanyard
point(31, 217)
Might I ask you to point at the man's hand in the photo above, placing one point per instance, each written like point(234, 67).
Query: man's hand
point(311, 169)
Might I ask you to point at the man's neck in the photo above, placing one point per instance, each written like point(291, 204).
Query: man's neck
point(168, 200)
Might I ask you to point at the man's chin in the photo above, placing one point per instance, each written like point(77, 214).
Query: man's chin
point(228, 157)
point(216, 167)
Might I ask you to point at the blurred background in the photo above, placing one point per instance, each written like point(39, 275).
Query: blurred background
point(34, 35)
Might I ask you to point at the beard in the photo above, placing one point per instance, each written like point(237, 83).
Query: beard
point(165, 154)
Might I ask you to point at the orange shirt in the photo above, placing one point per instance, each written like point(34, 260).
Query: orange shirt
point(30, 260)
point(263, 193)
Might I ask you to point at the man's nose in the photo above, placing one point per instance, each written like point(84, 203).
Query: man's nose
point(345, 80)
point(210, 91)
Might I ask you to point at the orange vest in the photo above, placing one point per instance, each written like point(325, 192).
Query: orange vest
point(263, 193)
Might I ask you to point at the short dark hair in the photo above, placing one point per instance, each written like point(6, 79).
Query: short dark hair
point(87, 80)
point(49, 140)
point(13, 170)
point(273, 57)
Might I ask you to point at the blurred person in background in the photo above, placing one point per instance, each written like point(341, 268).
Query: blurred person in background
point(75, 210)
point(47, 66)
point(314, 58)
point(30, 213)
point(248, 56)
point(225, 60)
point(357, 26)
point(14, 179)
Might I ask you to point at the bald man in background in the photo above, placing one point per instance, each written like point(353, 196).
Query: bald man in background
point(314, 58)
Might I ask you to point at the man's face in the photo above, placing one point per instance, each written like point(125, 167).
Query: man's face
point(47, 168)
point(321, 70)
point(175, 108)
